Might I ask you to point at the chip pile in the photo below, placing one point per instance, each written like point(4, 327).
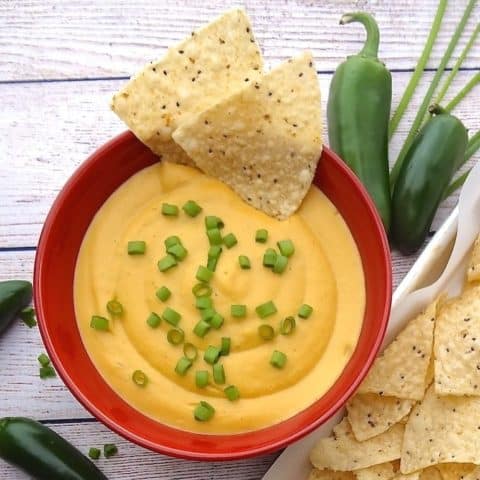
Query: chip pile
point(416, 416)
point(207, 103)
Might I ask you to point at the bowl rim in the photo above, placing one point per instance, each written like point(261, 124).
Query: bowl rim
point(186, 454)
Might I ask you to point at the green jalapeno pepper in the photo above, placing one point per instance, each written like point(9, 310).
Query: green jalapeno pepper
point(42, 453)
point(14, 295)
point(358, 113)
point(436, 153)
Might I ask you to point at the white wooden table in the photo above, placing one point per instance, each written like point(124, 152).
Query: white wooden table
point(59, 63)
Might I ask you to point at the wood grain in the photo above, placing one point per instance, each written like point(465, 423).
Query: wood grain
point(61, 39)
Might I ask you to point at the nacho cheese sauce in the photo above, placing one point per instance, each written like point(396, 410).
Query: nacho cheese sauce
point(324, 272)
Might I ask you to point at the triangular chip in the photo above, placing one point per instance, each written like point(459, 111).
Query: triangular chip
point(455, 471)
point(210, 64)
point(344, 453)
point(264, 141)
point(442, 429)
point(475, 475)
point(383, 471)
point(316, 474)
point(371, 414)
point(473, 272)
point(457, 345)
point(402, 368)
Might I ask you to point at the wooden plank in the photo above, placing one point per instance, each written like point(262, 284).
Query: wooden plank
point(59, 39)
point(135, 463)
point(50, 128)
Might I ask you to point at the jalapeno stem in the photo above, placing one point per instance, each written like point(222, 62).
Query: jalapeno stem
point(473, 82)
point(370, 48)
point(428, 96)
point(419, 69)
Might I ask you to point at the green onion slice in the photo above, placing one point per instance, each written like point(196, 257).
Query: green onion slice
point(175, 336)
point(166, 263)
point(266, 331)
point(43, 360)
point(218, 374)
point(244, 262)
point(203, 302)
point(230, 240)
point(261, 235)
point(171, 316)
point(153, 320)
point(163, 294)
point(211, 354)
point(214, 251)
point(214, 236)
point(99, 323)
point(171, 241)
point(232, 393)
point(212, 264)
point(94, 453)
point(305, 311)
point(192, 208)
point(27, 315)
point(109, 449)
point(202, 290)
point(178, 251)
point(190, 351)
point(207, 314)
point(183, 365)
point(216, 321)
point(269, 257)
point(287, 326)
point(278, 359)
point(203, 412)
point(286, 247)
point(238, 311)
point(115, 308)
point(225, 346)
point(201, 328)
point(136, 247)
point(203, 274)
point(47, 372)
point(139, 378)
point(280, 264)
point(201, 378)
point(266, 309)
point(169, 210)
point(211, 221)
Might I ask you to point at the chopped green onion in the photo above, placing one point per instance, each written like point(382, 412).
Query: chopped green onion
point(238, 311)
point(278, 359)
point(211, 221)
point(99, 323)
point(43, 360)
point(244, 262)
point(214, 251)
point(218, 374)
point(136, 247)
point(203, 302)
point(203, 412)
point(266, 332)
point(286, 247)
point(216, 321)
point(163, 294)
point(115, 308)
point(207, 314)
point(269, 257)
point(211, 354)
point(109, 449)
point(266, 309)
point(201, 378)
point(201, 328)
point(169, 210)
point(212, 264)
point(178, 251)
point(183, 365)
point(203, 274)
point(171, 316)
point(94, 453)
point(305, 311)
point(214, 236)
point(191, 208)
point(232, 393)
point(166, 263)
point(190, 351)
point(287, 326)
point(230, 240)
point(27, 315)
point(280, 264)
point(225, 346)
point(139, 378)
point(175, 336)
point(153, 320)
point(202, 290)
point(47, 372)
point(261, 236)
point(171, 241)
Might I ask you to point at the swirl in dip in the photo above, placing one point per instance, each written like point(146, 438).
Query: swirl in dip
point(325, 272)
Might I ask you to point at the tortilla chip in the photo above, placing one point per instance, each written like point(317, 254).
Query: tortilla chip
point(410, 476)
point(475, 475)
point(430, 473)
point(457, 345)
point(455, 471)
point(316, 474)
point(207, 66)
point(264, 141)
point(383, 471)
point(370, 414)
point(345, 453)
point(402, 368)
point(473, 272)
point(441, 429)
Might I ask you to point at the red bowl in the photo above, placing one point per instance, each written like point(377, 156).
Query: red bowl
point(59, 244)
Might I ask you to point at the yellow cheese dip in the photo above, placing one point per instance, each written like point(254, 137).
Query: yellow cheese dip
point(324, 272)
